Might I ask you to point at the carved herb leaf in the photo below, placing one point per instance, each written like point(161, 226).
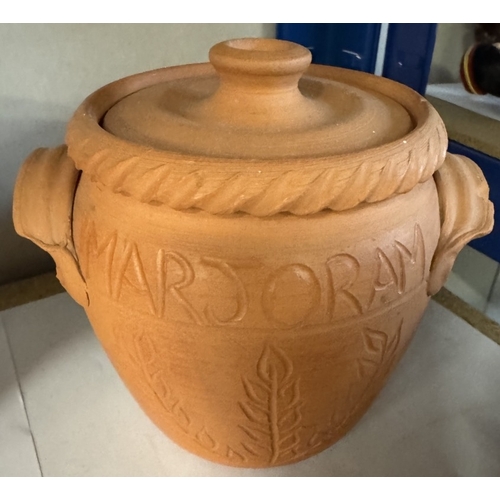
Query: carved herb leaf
point(181, 416)
point(231, 454)
point(250, 449)
point(255, 391)
point(379, 350)
point(375, 342)
point(272, 406)
point(394, 341)
point(206, 440)
point(144, 354)
point(256, 415)
point(254, 434)
point(144, 350)
point(289, 443)
point(274, 366)
point(316, 439)
point(380, 345)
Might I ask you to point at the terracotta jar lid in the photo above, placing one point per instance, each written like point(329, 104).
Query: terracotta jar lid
point(259, 130)
point(252, 106)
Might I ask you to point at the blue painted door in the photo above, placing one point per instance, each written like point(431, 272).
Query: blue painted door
point(407, 59)
point(348, 45)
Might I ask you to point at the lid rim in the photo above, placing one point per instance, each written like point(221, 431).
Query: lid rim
point(228, 185)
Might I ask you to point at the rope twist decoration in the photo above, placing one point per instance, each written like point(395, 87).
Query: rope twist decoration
point(260, 187)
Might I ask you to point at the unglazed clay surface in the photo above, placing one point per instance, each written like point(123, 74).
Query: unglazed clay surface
point(228, 341)
point(253, 300)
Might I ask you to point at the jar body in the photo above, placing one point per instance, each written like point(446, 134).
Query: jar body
point(255, 341)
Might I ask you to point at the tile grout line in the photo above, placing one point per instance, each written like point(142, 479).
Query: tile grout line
point(18, 380)
point(482, 323)
point(492, 288)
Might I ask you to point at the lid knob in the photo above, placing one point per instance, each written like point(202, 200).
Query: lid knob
point(260, 63)
point(258, 84)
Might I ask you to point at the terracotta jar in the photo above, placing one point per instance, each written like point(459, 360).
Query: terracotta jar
point(254, 240)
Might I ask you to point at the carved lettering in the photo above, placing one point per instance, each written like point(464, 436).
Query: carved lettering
point(342, 274)
point(164, 260)
point(94, 248)
point(285, 297)
point(416, 257)
point(241, 296)
point(291, 295)
point(131, 272)
point(394, 273)
point(386, 274)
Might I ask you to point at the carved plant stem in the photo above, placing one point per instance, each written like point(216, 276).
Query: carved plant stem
point(272, 408)
point(145, 355)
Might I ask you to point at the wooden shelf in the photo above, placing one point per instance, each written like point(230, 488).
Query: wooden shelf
point(471, 120)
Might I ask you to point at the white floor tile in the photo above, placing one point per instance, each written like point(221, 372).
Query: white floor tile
point(84, 422)
point(438, 415)
point(472, 277)
point(17, 452)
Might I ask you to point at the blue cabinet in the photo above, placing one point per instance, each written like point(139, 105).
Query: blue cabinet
point(408, 54)
point(347, 45)
point(407, 57)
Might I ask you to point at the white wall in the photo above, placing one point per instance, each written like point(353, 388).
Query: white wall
point(47, 70)
point(452, 40)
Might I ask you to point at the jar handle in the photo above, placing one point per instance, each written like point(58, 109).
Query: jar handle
point(43, 212)
point(466, 213)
